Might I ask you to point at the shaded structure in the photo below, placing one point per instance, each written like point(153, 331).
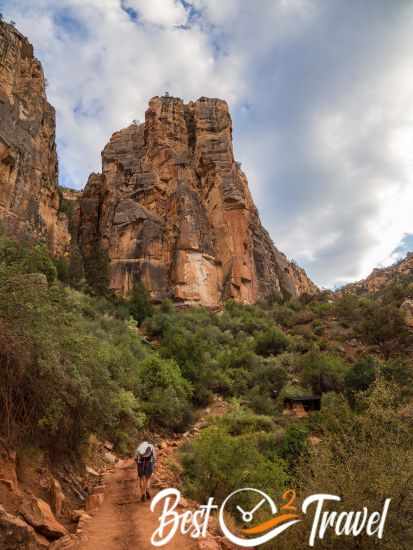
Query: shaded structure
point(302, 405)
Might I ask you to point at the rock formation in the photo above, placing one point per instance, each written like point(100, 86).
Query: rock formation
point(16, 534)
point(172, 208)
point(29, 196)
point(380, 278)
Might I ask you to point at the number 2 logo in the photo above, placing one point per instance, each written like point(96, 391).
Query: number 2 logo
point(289, 497)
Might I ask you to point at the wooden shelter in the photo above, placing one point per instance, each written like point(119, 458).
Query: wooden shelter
point(302, 405)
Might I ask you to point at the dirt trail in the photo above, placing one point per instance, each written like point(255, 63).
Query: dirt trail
point(125, 523)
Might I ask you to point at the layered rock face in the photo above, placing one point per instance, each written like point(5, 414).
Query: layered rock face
point(29, 197)
point(173, 209)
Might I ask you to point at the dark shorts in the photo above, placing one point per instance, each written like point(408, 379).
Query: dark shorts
point(145, 468)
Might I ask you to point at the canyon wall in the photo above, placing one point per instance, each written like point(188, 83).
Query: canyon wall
point(29, 195)
point(172, 208)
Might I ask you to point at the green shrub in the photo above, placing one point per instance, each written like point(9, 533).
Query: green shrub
point(271, 342)
point(62, 269)
point(76, 268)
point(217, 463)
point(348, 308)
point(383, 325)
point(79, 352)
point(399, 371)
point(283, 315)
point(318, 328)
point(361, 375)
point(140, 306)
point(24, 257)
point(165, 393)
point(335, 414)
point(294, 443)
point(242, 421)
point(96, 267)
point(303, 317)
point(261, 403)
point(323, 371)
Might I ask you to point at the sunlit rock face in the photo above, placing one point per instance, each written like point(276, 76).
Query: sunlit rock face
point(173, 209)
point(29, 197)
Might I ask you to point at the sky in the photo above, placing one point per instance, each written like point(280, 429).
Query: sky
point(320, 91)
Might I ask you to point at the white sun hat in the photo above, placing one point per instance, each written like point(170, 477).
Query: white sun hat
point(143, 448)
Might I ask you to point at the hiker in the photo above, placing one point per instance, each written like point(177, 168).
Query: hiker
point(145, 460)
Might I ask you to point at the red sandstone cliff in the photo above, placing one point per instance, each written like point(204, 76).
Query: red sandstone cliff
point(173, 208)
point(29, 197)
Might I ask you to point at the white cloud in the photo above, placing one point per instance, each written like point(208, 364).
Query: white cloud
point(159, 12)
point(103, 67)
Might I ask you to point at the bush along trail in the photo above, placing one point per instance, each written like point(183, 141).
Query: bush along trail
point(114, 517)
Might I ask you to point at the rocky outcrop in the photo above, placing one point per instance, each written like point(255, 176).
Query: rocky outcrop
point(173, 209)
point(39, 515)
point(380, 278)
point(29, 195)
point(16, 534)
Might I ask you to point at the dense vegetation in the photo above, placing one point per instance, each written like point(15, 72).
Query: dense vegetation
point(74, 362)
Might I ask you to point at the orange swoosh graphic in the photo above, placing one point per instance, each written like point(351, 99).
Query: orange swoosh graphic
point(268, 524)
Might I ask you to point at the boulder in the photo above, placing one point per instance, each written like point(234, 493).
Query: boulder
point(40, 516)
point(16, 534)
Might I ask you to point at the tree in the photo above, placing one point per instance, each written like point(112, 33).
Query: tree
point(140, 306)
point(97, 270)
point(400, 372)
point(294, 443)
point(360, 376)
point(383, 325)
point(271, 342)
point(322, 371)
point(76, 267)
point(165, 393)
